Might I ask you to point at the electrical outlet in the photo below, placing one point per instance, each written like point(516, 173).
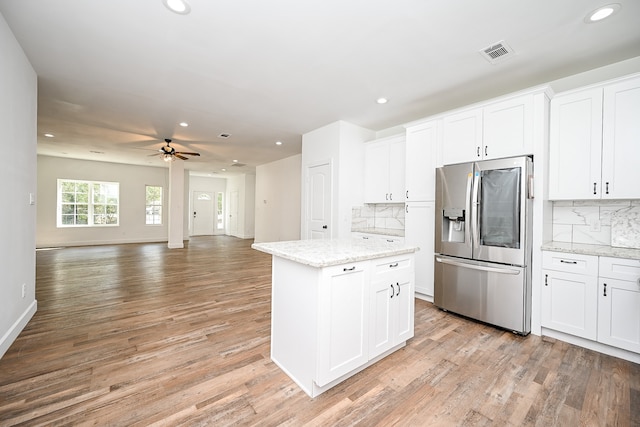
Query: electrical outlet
point(24, 290)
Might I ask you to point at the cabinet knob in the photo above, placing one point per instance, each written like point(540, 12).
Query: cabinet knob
point(324, 227)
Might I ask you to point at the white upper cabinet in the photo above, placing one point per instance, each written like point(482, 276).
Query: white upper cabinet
point(421, 149)
point(575, 145)
point(385, 170)
point(508, 128)
point(621, 141)
point(496, 130)
point(595, 143)
point(462, 137)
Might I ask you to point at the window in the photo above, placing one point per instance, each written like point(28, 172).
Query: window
point(219, 211)
point(87, 204)
point(154, 205)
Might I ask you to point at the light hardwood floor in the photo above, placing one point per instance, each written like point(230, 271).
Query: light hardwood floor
point(144, 335)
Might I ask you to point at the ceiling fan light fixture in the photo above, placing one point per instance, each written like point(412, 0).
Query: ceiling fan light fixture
point(167, 157)
point(180, 7)
point(601, 13)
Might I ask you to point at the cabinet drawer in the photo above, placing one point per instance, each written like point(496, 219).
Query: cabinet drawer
point(570, 263)
point(391, 265)
point(620, 268)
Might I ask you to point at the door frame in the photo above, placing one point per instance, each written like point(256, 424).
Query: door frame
point(305, 223)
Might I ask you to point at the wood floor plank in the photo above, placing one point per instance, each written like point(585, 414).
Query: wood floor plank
point(145, 335)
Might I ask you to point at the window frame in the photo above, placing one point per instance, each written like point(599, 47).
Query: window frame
point(147, 205)
point(101, 200)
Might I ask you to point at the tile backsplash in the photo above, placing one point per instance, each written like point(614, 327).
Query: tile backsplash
point(588, 221)
point(382, 216)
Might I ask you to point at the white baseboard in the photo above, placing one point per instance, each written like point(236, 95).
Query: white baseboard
point(593, 345)
point(10, 336)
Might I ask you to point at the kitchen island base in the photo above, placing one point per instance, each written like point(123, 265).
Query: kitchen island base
point(330, 322)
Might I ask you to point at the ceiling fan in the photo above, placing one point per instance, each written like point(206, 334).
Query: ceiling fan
point(168, 153)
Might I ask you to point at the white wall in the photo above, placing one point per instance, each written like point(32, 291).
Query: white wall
point(132, 181)
point(209, 184)
point(342, 145)
point(18, 109)
point(278, 186)
point(245, 185)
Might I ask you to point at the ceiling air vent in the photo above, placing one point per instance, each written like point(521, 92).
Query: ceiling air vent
point(224, 135)
point(497, 52)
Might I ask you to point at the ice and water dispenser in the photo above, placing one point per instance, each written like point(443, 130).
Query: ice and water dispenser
point(453, 220)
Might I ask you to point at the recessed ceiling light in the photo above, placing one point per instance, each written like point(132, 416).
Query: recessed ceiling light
point(223, 170)
point(602, 13)
point(381, 100)
point(235, 161)
point(178, 6)
point(184, 124)
point(278, 142)
point(49, 135)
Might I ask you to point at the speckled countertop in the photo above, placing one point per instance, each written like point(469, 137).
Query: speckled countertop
point(598, 250)
point(328, 252)
point(382, 231)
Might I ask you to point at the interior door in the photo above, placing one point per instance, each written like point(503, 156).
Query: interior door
point(203, 213)
point(319, 201)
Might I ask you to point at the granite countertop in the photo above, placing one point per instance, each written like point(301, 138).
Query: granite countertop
point(598, 250)
point(382, 231)
point(327, 252)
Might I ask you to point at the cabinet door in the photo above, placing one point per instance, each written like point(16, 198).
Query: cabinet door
point(419, 230)
point(619, 313)
point(376, 168)
point(462, 137)
point(420, 159)
point(569, 303)
point(397, 171)
point(575, 146)
point(404, 309)
point(381, 338)
point(621, 141)
point(343, 320)
point(508, 128)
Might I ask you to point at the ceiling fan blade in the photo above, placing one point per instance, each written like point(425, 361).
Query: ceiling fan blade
point(180, 157)
point(190, 154)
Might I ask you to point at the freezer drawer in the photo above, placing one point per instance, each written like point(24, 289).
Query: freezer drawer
point(492, 293)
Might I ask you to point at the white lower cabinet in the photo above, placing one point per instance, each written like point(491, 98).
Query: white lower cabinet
point(591, 297)
point(342, 319)
point(324, 320)
point(619, 303)
point(392, 304)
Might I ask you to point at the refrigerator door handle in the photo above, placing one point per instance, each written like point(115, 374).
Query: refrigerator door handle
point(475, 214)
point(478, 267)
point(469, 219)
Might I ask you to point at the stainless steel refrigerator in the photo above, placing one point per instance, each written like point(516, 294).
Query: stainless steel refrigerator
point(483, 241)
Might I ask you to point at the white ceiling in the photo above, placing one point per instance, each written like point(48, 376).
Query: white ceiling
point(116, 77)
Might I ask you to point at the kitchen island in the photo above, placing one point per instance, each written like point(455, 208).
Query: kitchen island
point(338, 306)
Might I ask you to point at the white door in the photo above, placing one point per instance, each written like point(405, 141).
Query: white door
point(202, 215)
point(319, 201)
point(233, 213)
